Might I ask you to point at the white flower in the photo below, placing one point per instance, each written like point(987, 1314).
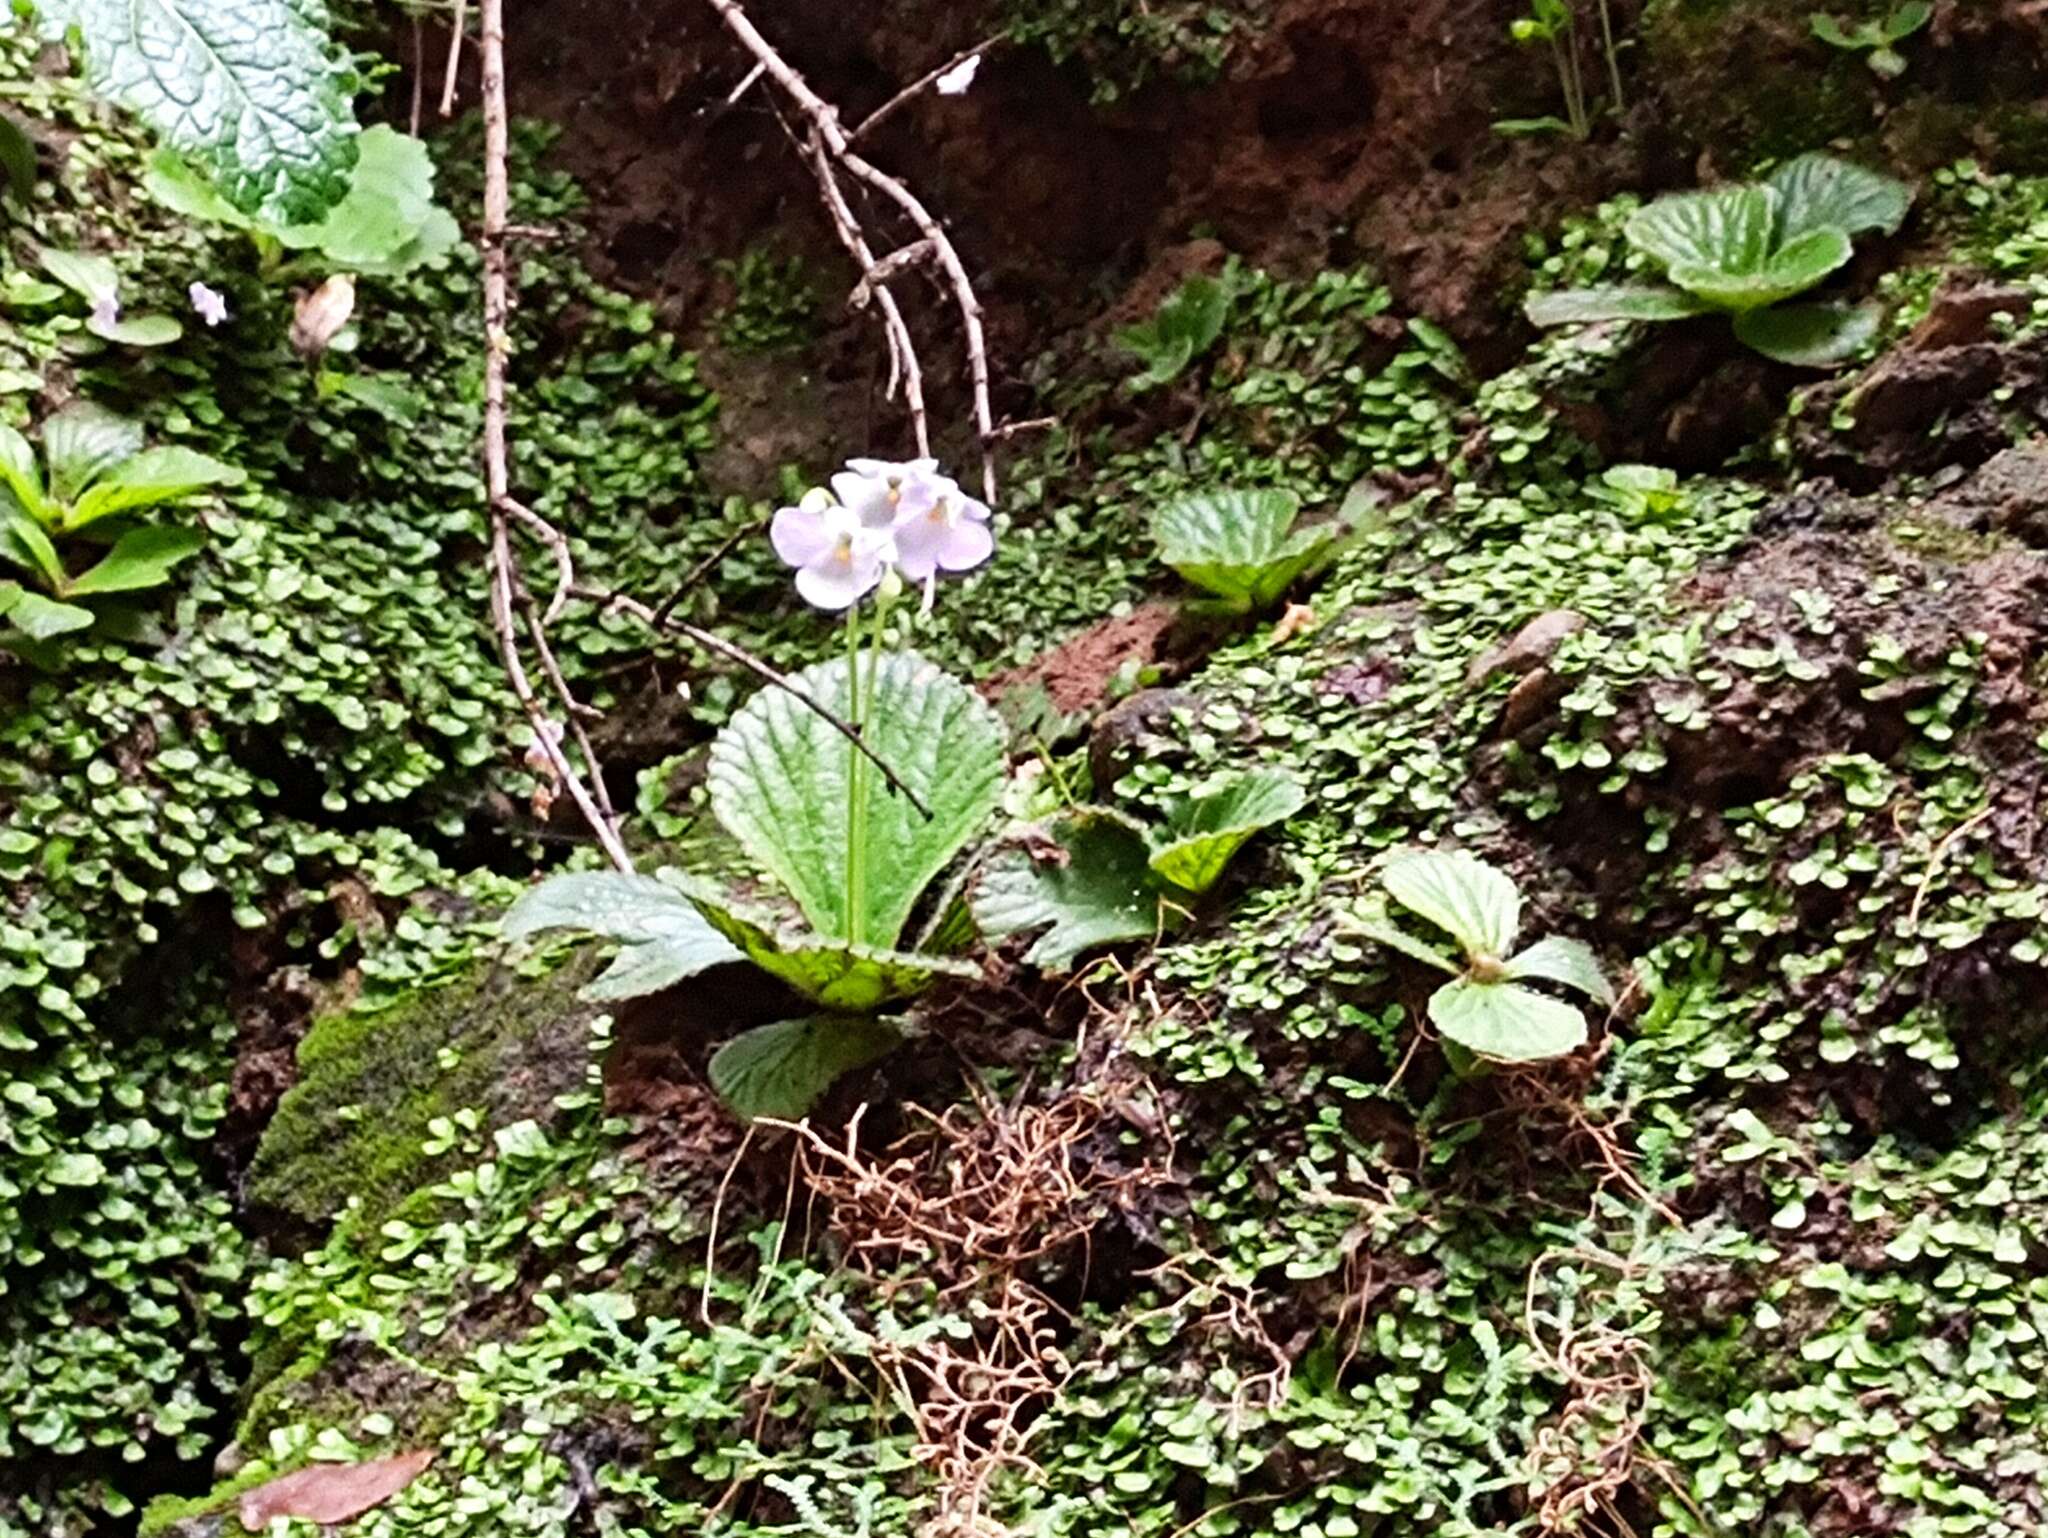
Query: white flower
point(878, 490)
point(956, 80)
point(839, 556)
point(950, 533)
point(208, 304)
point(106, 310)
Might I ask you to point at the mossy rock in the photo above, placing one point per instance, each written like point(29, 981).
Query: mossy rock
point(372, 1083)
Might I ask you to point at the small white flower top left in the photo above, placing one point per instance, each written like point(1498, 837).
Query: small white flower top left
point(880, 514)
point(955, 81)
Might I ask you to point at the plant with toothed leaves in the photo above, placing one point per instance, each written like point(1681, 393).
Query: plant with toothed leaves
point(94, 480)
point(1876, 40)
point(1488, 1009)
point(844, 910)
point(1742, 251)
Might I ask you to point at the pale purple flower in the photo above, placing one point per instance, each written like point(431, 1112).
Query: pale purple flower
point(839, 557)
point(106, 309)
point(955, 81)
point(208, 304)
point(949, 534)
point(879, 492)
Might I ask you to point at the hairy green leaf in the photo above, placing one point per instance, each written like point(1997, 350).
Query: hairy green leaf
point(254, 91)
point(1725, 229)
point(1089, 882)
point(1238, 544)
point(1206, 830)
point(1185, 327)
point(781, 1070)
point(778, 776)
point(665, 938)
point(1579, 306)
point(828, 971)
point(1808, 335)
point(141, 558)
point(82, 442)
point(1792, 269)
point(1559, 959)
point(1503, 1021)
point(1460, 894)
point(147, 479)
point(1817, 192)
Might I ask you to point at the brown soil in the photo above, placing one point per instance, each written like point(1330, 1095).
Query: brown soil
point(1077, 674)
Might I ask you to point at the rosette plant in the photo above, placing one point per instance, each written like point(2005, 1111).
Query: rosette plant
point(1742, 251)
point(842, 906)
point(73, 523)
point(1489, 1007)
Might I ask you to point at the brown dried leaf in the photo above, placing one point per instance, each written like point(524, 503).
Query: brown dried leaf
point(332, 1492)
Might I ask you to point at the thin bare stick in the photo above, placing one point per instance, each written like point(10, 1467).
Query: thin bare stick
point(732, 651)
point(508, 592)
point(874, 119)
point(454, 70)
point(834, 151)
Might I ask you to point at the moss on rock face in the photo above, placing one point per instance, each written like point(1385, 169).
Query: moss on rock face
point(359, 1124)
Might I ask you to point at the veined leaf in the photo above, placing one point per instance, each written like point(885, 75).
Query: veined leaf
point(1792, 269)
point(137, 330)
point(1504, 1021)
point(781, 1070)
point(1818, 192)
point(82, 442)
point(1206, 830)
point(254, 91)
point(1808, 335)
point(1185, 327)
point(1559, 959)
point(1460, 894)
point(1092, 886)
point(1727, 229)
point(141, 558)
point(665, 938)
point(778, 776)
point(19, 473)
point(23, 541)
point(148, 478)
point(855, 978)
point(1578, 306)
point(1238, 544)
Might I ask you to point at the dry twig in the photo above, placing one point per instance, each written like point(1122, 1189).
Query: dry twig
point(829, 148)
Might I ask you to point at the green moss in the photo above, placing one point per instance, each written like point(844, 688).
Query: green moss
point(360, 1123)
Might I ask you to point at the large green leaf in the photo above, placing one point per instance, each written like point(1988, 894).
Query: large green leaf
point(20, 475)
point(1820, 192)
point(665, 939)
point(1561, 960)
point(1808, 335)
point(91, 277)
point(23, 541)
point(41, 618)
point(780, 1070)
point(141, 558)
point(388, 221)
point(830, 972)
point(137, 330)
point(1205, 830)
point(1578, 306)
point(82, 442)
point(1460, 894)
point(1792, 269)
point(1087, 882)
point(1727, 229)
point(151, 477)
point(1240, 545)
point(1184, 328)
point(253, 91)
point(778, 776)
point(1505, 1021)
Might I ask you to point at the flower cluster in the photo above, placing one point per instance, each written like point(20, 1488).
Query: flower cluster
point(879, 515)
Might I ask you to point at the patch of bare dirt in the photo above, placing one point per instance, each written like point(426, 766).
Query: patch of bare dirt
point(1076, 675)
